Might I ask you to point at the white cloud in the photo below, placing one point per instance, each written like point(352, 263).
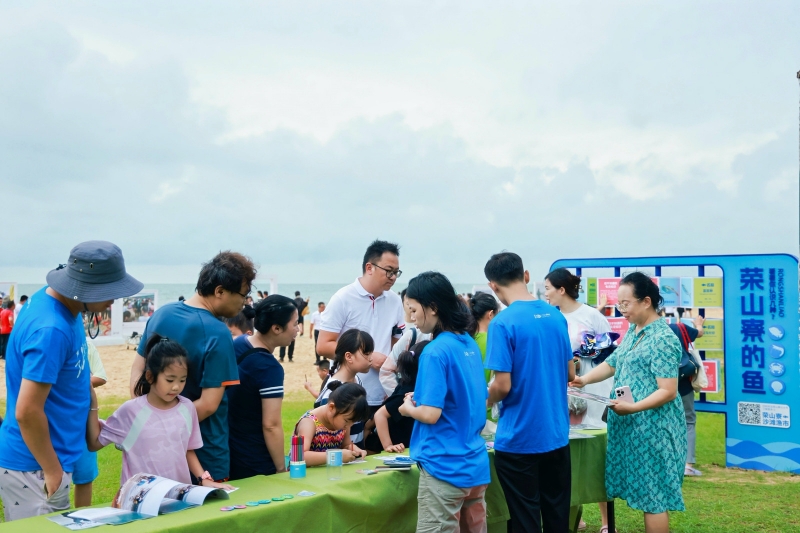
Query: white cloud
point(297, 135)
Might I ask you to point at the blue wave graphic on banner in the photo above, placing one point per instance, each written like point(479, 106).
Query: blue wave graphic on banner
point(782, 456)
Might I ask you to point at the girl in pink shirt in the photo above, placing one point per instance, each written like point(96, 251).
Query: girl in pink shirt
point(158, 430)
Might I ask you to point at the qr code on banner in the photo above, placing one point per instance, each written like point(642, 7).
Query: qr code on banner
point(750, 413)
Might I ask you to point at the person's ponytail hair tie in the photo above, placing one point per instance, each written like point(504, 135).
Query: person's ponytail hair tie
point(561, 278)
point(480, 304)
point(160, 353)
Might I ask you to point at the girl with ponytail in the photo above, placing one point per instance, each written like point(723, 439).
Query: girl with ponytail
point(164, 443)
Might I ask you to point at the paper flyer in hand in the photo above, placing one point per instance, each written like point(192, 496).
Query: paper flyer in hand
point(580, 393)
point(142, 496)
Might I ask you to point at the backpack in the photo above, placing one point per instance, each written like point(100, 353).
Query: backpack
point(698, 377)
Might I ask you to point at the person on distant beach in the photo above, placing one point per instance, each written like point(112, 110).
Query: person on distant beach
point(48, 380)
point(23, 300)
point(370, 305)
point(6, 325)
point(302, 308)
point(222, 287)
point(313, 329)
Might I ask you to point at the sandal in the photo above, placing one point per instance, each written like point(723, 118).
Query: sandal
point(604, 529)
point(581, 526)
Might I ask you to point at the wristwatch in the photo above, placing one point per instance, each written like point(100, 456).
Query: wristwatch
point(205, 476)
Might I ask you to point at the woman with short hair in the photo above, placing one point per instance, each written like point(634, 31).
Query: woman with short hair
point(647, 436)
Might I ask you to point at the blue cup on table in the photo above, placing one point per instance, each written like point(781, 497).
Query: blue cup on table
point(297, 469)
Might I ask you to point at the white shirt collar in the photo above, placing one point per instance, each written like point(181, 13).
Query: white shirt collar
point(364, 292)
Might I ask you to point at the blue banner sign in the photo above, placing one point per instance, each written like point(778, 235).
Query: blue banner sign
point(761, 353)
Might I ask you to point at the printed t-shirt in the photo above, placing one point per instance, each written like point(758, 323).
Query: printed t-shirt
point(451, 378)
point(530, 340)
point(153, 441)
point(212, 364)
point(357, 429)
point(587, 319)
point(47, 345)
point(352, 307)
point(260, 378)
point(6, 318)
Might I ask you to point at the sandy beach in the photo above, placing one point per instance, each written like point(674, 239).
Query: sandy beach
point(117, 362)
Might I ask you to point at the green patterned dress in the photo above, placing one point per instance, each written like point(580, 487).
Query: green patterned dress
point(647, 450)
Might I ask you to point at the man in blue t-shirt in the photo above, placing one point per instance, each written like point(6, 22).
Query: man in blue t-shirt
point(222, 288)
point(47, 377)
point(529, 350)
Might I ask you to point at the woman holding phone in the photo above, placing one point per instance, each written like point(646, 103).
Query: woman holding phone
point(646, 434)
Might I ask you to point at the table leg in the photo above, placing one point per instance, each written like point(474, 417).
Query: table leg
point(612, 522)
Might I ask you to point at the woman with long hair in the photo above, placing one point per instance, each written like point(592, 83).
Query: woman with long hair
point(449, 406)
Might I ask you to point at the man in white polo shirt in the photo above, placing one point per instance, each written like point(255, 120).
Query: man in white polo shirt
point(367, 304)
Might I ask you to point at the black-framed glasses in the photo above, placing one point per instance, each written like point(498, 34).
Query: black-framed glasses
point(389, 272)
point(245, 295)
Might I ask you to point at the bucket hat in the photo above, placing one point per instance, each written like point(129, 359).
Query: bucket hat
point(95, 272)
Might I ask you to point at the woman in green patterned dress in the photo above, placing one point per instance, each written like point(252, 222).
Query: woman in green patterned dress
point(646, 438)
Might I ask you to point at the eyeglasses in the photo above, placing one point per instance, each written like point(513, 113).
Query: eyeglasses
point(623, 306)
point(245, 295)
point(389, 272)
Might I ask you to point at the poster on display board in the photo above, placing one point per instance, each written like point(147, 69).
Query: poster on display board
point(761, 358)
point(131, 314)
point(711, 366)
point(670, 289)
point(713, 335)
point(619, 325)
point(608, 287)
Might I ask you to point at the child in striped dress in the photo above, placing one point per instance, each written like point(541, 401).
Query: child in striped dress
point(328, 426)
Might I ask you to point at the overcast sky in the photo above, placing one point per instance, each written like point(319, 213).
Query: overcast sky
point(298, 132)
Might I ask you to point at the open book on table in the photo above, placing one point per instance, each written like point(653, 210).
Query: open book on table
point(142, 496)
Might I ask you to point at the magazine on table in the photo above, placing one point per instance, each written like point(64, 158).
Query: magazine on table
point(580, 393)
point(142, 496)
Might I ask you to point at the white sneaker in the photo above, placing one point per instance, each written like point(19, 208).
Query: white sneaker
point(692, 472)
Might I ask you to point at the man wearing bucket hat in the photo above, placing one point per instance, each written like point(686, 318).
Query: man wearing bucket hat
point(47, 375)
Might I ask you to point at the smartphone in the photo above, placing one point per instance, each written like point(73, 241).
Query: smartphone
point(624, 394)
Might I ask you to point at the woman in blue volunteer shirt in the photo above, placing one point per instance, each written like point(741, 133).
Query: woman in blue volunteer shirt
point(449, 406)
point(254, 414)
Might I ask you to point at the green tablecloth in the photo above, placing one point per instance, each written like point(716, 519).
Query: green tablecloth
point(385, 502)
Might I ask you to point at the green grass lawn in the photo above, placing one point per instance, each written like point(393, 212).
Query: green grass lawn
point(722, 500)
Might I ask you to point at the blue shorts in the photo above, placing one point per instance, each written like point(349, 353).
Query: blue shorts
point(85, 469)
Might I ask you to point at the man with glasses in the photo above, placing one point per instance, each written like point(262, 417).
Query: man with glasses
point(367, 304)
point(222, 288)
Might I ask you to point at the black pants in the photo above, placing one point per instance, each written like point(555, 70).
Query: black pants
point(3, 343)
point(282, 351)
point(537, 488)
point(316, 338)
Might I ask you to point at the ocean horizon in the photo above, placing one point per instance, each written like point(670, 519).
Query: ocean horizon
point(316, 292)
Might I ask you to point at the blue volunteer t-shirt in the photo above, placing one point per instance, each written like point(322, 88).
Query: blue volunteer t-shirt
point(530, 340)
point(47, 345)
point(451, 378)
point(260, 378)
point(212, 364)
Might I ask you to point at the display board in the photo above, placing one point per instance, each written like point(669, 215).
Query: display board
point(756, 342)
